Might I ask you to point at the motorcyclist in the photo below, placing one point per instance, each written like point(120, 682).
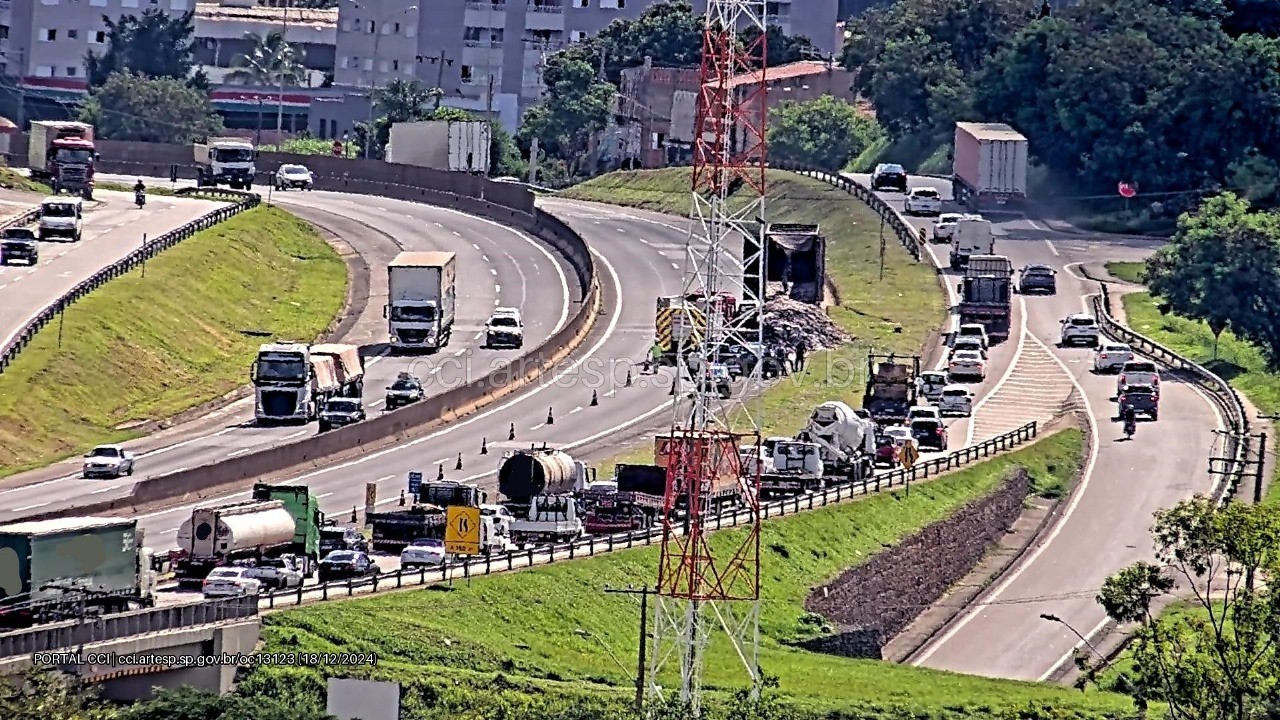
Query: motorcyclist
point(1130, 422)
point(139, 192)
point(139, 187)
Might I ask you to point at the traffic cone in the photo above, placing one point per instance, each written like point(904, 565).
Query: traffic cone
point(440, 472)
point(594, 400)
point(628, 377)
point(511, 435)
point(544, 444)
point(484, 446)
point(459, 465)
point(648, 367)
point(353, 513)
point(551, 419)
point(402, 497)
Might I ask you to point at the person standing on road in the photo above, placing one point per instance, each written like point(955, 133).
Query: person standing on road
point(801, 348)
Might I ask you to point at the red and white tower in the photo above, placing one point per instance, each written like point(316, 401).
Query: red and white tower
point(709, 594)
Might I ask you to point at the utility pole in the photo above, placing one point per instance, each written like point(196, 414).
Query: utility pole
point(285, 52)
point(442, 60)
point(644, 594)
point(882, 248)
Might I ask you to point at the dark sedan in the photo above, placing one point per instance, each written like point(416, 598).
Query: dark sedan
point(344, 564)
point(1141, 399)
point(1038, 278)
point(889, 177)
point(19, 244)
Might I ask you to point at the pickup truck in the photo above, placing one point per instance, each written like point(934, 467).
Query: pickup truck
point(279, 573)
point(1137, 372)
point(19, 244)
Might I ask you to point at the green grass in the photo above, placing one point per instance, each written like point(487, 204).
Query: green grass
point(145, 348)
point(555, 623)
point(1114, 677)
point(1238, 361)
point(893, 315)
point(11, 180)
point(925, 154)
point(1132, 272)
point(310, 146)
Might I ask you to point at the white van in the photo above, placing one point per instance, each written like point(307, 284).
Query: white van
point(61, 216)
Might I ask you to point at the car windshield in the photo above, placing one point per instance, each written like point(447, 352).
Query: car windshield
point(19, 234)
point(341, 557)
point(503, 321)
point(106, 452)
point(1038, 270)
point(1140, 390)
point(892, 170)
point(61, 210)
point(968, 355)
point(405, 385)
point(343, 406)
point(949, 218)
point(926, 193)
point(1114, 348)
point(332, 534)
point(955, 392)
point(968, 341)
point(1083, 322)
point(294, 170)
point(427, 543)
point(929, 425)
point(226, 572)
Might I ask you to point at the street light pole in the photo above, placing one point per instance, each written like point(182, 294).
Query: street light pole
point(1054, 618)
point(284, 52)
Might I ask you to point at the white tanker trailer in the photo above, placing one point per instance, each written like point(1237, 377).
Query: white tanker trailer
point(539, 488)
point(215, 536)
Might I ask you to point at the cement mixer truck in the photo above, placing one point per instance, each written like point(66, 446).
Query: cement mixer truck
point(846, 441)
point(539, 489)
point(217, 536)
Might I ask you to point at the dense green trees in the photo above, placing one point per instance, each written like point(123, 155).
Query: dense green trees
point(154, 44)
point(150, 109)
point(825, 133)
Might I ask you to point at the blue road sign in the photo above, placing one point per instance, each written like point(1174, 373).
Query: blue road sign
point(415, 482)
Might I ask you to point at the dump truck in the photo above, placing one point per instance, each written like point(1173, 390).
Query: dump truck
point(635, 501)
point(846, 442)
point(795, 255)
point(63, 154)
point(891, 387)
point(307, 520)
point(422, 298)
point(985, 295)
point(291, 384)
point(57, 569)
point(990, 166)
point(680, 322)
point(348, 365)
point(219, 535)
point(225, 161)
point(538, 489)
point(451, 493)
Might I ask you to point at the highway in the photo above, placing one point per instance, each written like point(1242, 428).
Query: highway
point(1104, 526)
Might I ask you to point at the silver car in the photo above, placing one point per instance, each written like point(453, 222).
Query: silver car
point(109, 461)
point(1111, 356)
point(230, 582)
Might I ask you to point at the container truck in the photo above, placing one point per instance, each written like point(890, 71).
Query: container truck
point(290, 383)
point(846, 442)
point(49, 569)
point(538, 489)
point(985, 294)
point(421, 300)
point(448, 145)
point(225, 161)
point(990, 166)
point(220, 535)
point(795, 255)
point(971, 236)
point(63, 155)
point(891, 387)
point(348, 365)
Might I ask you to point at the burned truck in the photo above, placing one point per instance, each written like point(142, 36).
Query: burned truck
point(795, 255)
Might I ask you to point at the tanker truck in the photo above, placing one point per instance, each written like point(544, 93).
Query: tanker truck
point(539, 489)
point(220, 535)
point(846, 442)
point(347, 364)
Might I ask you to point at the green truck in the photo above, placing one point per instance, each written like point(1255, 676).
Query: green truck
point(307, 519)
point(59, 569)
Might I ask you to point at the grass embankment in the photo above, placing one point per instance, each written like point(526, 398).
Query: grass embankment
point(1131, 272)
point(923, 154)
point(555, 623)
point(891, 315)
point(145, 348)
point(12, 180)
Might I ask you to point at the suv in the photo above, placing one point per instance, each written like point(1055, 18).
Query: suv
point(1038, 278)
point(930, 383)
point(923, 201)
point(967, 342)
point(929, 433)
point(294, 176)
point(505, 328)
point(956, 400)
point(61, 217)
point(945, 225)
point(1137, 372)
point(19, 244)
point(1141, 399)
point(1079, 329)
point(889, 175)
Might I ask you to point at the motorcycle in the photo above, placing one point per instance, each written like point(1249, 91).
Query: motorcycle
point(140, 198)
point(1130, 427)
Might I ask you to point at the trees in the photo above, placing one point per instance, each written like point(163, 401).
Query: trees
point(41, 694)
point(148, 109)
point(576, 106)
point(154, 44)
point(270, 62)
point(1220, 662)
point(825, 133)
point(1223, 267)
point(781, 49)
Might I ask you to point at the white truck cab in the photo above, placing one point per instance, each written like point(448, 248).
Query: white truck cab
point(61, 216)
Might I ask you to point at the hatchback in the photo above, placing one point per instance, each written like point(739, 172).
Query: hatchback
point(956, 400)
point(1111, 356)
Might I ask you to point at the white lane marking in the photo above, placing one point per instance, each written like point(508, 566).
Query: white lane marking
point(298, 434)
point(493, 271)
point(241, 451)
point(539, 426)
point(1008, 372)
point(322, 496)
point(31, 507)
point(485, 258)
point(455, 232)
point(437, 224)
point(497, 288)
point(101, 490)
point(184, 443)
point(577, 409)
point(477, 247)
point(621, 230)
point(674, 265)
point(1052, 249)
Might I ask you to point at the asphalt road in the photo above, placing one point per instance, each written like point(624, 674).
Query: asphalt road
point(1105, 524)
point(498, 266)
point(113, 228)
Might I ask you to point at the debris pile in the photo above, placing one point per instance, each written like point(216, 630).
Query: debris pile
point(787, 322)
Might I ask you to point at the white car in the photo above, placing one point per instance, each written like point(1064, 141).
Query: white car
point(924, 412)
point(230, 582)
point(967, 342)
point(1138, 372)
point(974, 330)
point(967, 364)
point(295, 176)
point(424, 552)
point(1080, 329)
point(945, 225)
point(1111, 356)
point(61, 216)
point(924, 201)
point(930, 383)
point(505, 328)
point(109, 461)
point(956, 400)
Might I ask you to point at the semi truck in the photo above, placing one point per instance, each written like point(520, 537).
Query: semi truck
point(425, 518)
point(633, 501)
point(225, 161)
point(221, 535)
point(448, 145)
point(56, 569)
point(985, 294)
point(795, 255)
point(347, 364)
point(63, 154)
point(971, 236)
point(538, 489)
point(846, 442)
point(990, 166)
point(291, 383)
point(891, 387)
point(421, 300)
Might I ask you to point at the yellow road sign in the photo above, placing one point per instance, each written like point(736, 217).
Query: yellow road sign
point(462, 531)
point(909, 455)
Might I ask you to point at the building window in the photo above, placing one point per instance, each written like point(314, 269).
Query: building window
point(129, 3)
point(356, 24)
point(98, 3)
point(395, 64)
point(71, 71)
point(613, 4)
point(177, 4)
point(342, 62)
point(467, 74)
point(577, 35)
point(582, 3)
point(396, 30)
point(411, 31)
point(373, 27)
point(368, 64)
point(73, 34)
point(99, 37)
point(44, 71)
point(48, 35)
point(49, 2)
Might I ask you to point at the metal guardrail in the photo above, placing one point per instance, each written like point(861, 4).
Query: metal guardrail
point(24, 218)
point(74, 633)
point(153, 247)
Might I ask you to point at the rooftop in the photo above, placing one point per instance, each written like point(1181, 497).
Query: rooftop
point(804, 68)
point(213, 11)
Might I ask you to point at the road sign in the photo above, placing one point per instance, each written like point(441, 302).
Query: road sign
point(462, 531)
point(337, 148)
point(909, 455)
point(415, 482)
point(1126, 190)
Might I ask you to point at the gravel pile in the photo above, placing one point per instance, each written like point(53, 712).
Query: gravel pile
point(787, 321)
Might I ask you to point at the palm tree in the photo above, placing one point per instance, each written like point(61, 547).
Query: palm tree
point(270, 62)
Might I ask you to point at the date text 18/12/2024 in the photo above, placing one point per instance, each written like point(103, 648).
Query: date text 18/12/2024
point(111, 659)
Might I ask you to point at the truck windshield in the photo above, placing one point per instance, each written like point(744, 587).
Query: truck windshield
point(232, 155)
point(58, 210)
point(281, 368)
point(409, 313)
point(73, 155)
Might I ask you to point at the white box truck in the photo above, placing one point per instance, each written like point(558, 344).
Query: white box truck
point(422, 298)
point(990, 166)
point(449, 145)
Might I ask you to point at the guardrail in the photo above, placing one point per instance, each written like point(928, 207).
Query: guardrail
point(153, 246)
point(75, 633)
point(601, 544)
point(1215, 387)
point(24, 218)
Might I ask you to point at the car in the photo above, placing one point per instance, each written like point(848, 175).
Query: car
point(1038, 279)
point(1137, 372)
point(718, 377)
point(61, 216)
point(889, 444)
point(924, 411)
point(405, 390)
point(280, 573)
point(1079, 329)
point(505, 328)
point(1141, 399)
point(19, 244)
point(974, 330)
point(929, 433)
point(345, 564)
point(945, 225)
point(967, 364)
point(109, 461)
point(295, 176)
point(967, 342)
point(923, 201)
point(230, 582)
point(889, 175)
point(1111, 356)
point(930, 384)
point(339, 412)
point(338, 537)
point(424, 552)
point(956, 400)
point(741, 359)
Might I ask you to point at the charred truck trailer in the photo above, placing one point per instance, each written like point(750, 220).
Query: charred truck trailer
point(990, 167)
point(795, 255)
point(539, 489)
point(51, 569)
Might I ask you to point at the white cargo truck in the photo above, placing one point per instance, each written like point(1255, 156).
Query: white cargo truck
point(422, 298)
point(225, 161)
point(990, 166)
point(971, 236)
point(291, 383)
point(449, 145)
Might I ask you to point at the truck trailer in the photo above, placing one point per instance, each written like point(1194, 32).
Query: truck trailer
point(795, 255)
point(422, 300)
point(57, 569)
point(291, 383)
point(63, 154)
point(308, 519)
point(225, 161)
point(990, 166)
point(891, 387)
point(538, 489)
point(220, 535)
point(635, 502)
point(448, 145)
point(985, 294)
point(348, 366)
